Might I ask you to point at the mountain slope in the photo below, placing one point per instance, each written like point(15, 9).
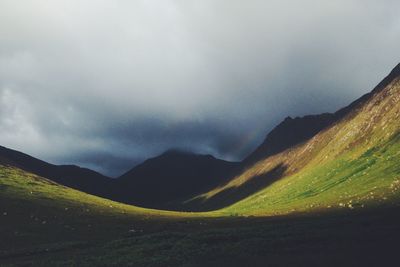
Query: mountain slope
point(163, 181)
point(69, 175)
point(289, 133)
point(40, 215)
point(292, 132)
point(363, 144)
point(30, 189)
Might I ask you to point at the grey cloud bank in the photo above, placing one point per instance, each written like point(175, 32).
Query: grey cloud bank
point(106, 84)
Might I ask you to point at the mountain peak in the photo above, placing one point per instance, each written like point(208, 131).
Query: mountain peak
point(290, 132)
point(288, 118)
point(395, 71)
point(394, 74)
point(182, 154)
point(177, 152)
point(171, 177)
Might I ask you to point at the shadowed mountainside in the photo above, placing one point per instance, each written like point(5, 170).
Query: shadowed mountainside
point(369, 126)
point(160, 182)
point(289, 133)
point(166, 180)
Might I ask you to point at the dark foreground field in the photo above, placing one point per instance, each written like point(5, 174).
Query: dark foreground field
point(354, 238)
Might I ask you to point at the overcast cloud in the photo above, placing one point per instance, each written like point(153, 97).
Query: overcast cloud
point(106, 84)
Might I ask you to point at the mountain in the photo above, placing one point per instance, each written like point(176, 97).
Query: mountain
point(69, 175)
point(160, 182)
point(327, 150)
point(292, 132)
point(354, 150)
point(289, 133)
point(339, 191)
point(166, 180)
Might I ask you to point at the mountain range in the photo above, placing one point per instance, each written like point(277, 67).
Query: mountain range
point(179, 180)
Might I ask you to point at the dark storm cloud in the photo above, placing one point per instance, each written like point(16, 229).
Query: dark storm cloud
point(107, 84)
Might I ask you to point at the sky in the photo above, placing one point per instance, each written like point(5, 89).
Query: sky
point(106, 84)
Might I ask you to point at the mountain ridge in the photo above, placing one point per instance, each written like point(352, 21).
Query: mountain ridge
point(283, 136)
point(353, 134)
point(147, 183)
point(133, 187)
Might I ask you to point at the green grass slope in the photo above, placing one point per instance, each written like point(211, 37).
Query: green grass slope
point(36, 213)
point(353, 164)
point(46, 224)
point(348, 182)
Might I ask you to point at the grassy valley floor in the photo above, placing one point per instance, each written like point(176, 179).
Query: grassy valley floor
point(347, 238)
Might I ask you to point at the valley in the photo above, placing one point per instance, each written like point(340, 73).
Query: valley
point(328, 196)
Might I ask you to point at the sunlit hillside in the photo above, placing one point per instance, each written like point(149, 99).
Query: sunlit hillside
point(352, 164)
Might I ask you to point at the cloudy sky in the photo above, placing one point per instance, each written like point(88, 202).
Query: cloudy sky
point(106, 84)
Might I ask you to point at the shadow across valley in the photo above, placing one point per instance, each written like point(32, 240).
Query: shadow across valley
point(232, 195)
